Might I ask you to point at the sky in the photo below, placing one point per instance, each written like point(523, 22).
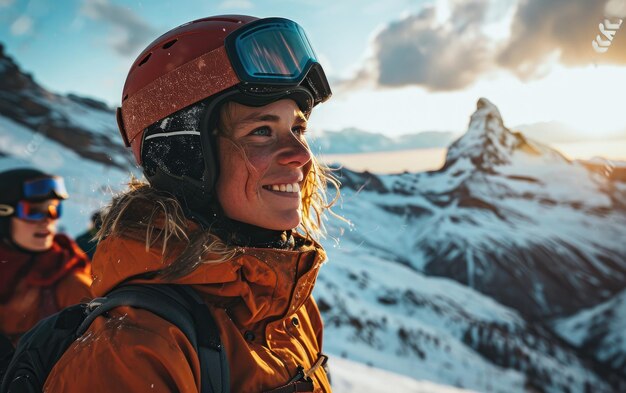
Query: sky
point(395, 66)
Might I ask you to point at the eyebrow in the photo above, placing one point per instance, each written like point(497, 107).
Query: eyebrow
point(257, 116)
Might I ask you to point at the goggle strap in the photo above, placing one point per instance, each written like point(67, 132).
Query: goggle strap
point(6, 210)
point(196, 78)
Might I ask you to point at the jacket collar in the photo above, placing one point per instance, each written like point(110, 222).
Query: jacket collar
point(39, 269)
point(256, 284)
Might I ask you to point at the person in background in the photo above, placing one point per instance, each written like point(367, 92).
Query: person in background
point(87, 241)
point(41, 271)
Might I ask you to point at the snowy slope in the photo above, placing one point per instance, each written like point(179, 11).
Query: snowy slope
point(352, 377)
point(599, 331)
point(390, 316)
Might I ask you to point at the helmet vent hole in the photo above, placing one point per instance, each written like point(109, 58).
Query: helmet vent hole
point(169, 43)
point(125, 97)
point(145, 59)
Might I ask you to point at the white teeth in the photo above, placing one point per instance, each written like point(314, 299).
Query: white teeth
point(293, 187)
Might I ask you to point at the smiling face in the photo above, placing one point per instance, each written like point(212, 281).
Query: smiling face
point(264, 160)
point(34, 235)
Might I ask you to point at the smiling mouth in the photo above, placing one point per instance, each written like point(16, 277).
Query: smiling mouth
point(42, 234)
point(289, 188)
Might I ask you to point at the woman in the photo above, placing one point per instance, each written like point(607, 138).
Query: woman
point(41, 271)
point(216, 112)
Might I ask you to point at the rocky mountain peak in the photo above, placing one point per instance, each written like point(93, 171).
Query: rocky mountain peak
point(484, 107)
point(12, 78)
point(487, 142)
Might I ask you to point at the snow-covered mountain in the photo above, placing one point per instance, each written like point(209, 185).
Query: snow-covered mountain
point(507, 216)
point(82, 125)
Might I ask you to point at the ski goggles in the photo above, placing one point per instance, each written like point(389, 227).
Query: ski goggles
point(36, 211)
point(271, 51)
point(45, 188)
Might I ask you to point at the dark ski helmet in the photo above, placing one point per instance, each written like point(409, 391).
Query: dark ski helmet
point(176, 86)
point(25, 184)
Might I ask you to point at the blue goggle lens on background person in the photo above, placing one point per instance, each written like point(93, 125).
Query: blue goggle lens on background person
point(36, 211)
point(44, 188)
point(272, 50)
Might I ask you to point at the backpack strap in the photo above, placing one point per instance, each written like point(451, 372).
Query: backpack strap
point(183, 307)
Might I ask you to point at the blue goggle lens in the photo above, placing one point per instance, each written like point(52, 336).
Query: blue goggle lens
point(278, 50)
point(36, 211)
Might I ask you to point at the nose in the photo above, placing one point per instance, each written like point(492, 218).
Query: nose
point(295, 152)
point(46, 221)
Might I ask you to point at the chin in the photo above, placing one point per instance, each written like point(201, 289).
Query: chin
point(42, 245)
point(282, 224)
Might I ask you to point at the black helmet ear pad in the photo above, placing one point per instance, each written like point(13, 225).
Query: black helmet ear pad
point(190, 192)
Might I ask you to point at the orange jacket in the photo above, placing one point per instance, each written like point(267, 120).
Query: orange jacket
point(261, 301)
point(35, 285)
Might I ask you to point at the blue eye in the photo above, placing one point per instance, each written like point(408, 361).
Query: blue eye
point(262, 131)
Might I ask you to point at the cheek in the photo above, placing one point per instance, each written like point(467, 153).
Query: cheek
point(233, 179)
point(257, 162)
point(19, 230)
point(243, 168)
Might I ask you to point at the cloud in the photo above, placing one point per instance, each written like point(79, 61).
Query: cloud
point(452, 45)
point(557, 29)
point(417, 50)
point(615, 8)
point(22, 25)
point(129, 32)
point(423, 50)
point(238, 4)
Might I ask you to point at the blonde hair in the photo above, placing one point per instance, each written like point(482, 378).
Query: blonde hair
point(146, 214)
